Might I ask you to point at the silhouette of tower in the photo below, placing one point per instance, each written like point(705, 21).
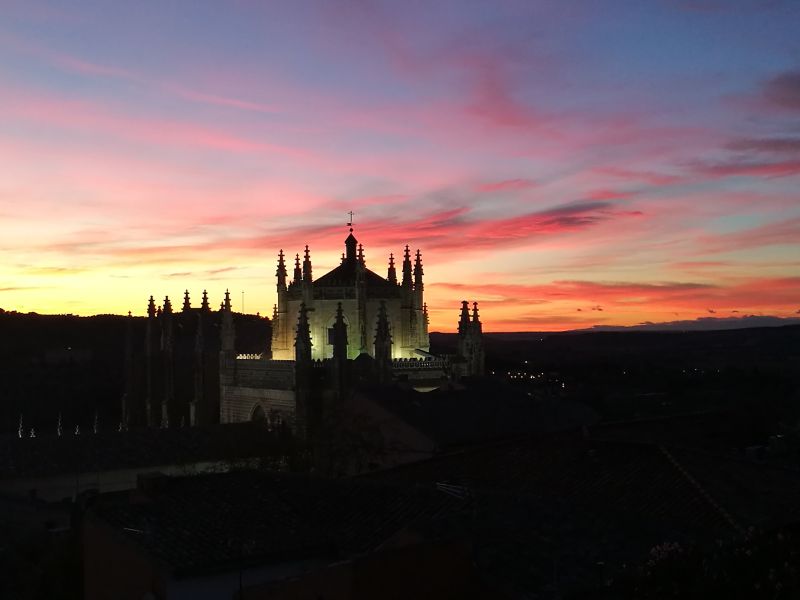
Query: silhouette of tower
point(470, 341)
point(383, 345)
point(339, 350)
point(168, 397)
point(391, 274)
point(303, 368)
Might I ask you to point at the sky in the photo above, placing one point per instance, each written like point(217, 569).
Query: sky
point(564, 164)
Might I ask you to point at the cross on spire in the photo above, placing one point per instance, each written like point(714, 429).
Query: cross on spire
point(350, 222)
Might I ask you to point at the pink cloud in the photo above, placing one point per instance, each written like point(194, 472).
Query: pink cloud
point(734, 168)
point(786, 231)
point(505, 185)
point(784, 90)
point(82, 116)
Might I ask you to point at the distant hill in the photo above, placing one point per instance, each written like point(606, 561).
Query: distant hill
point(768, 348)
point(705, 324)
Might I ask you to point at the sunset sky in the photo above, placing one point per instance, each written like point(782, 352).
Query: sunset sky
point(565, 164)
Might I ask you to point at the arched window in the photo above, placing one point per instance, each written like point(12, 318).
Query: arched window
point(258, 414)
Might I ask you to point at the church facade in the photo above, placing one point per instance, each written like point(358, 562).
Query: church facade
point(361, 293)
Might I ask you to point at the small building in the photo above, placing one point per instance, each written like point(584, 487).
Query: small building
point(260, 535)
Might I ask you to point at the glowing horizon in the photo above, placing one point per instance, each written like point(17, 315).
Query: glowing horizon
point(564, 166)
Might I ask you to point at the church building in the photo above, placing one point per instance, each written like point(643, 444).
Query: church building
point(361, 293)
point(350, 329)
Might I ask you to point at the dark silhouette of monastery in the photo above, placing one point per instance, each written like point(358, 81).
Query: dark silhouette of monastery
point(349, 329)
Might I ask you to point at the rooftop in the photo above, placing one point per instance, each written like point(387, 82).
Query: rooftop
point(216, 522)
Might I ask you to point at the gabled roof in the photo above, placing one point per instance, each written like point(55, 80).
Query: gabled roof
point(345, 276)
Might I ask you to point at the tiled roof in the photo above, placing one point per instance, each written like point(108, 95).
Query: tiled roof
point(345, 276)
point(217, 522)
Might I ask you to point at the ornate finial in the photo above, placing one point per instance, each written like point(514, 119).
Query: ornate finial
point(463, 323)
point(382, 330)
point(130, 314)
point(383, 341)
point(475, 312)
point(281, 272)
point(392, 273)
point(361, 260)
point(167, 305)
point(407, 267)
point(274, 312)
point(205, 305)
point(302, 341)
point(307, 266)
point(339, 334)
point(425, 312)
point(418, 271)
point(187, 305)
point(298, 274)
point(350, 222)
point(151, 308)
point(226, 305)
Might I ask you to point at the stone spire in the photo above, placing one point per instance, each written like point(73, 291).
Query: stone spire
point(298, 274)
point(392, 273)
point(302, 341)
point(303, 372)
point(167, 306)
point(307, 267)
point(281, 272)
point(339, 335)
point(383, 345)
point(407, 268)
point(476, 323)
point(339, 362)
point(228, 332)
point(350, 246)
point(470, 341)
point(361, 260)
point(204, 306)
point(187, 305)
point(383, 336)
point(425, 313)
point(418, 271)
point(226, 305)
point(151, 308)
point(464, 322)
point(274, 314)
